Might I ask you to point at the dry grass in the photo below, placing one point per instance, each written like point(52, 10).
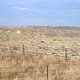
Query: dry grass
point(26, 53)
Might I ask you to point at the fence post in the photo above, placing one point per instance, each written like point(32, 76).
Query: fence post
point(66, 56)
point(47, 72)
point(23, 50)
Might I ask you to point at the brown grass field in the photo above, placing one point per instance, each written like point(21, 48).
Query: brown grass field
point(39, 53)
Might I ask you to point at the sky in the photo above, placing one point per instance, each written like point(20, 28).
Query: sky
point(40, 12)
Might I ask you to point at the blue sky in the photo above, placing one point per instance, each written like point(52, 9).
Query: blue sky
point(40, 12)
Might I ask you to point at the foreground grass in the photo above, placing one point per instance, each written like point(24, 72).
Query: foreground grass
point(39, 54)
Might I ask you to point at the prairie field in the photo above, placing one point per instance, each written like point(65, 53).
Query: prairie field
point(39, 53)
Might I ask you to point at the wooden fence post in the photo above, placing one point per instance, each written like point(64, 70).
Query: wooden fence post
point(47, 72)
point(23, 50)
point(66, 56)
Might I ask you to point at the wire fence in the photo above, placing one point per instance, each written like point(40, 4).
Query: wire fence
point(53, 71)
point(34, 73)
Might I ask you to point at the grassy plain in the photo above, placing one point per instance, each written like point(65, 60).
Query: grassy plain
point(39, 53)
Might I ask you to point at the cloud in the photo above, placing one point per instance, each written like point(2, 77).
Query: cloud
point(76, 11)
point(21, 8)
point(25, 1)
point(21, 2)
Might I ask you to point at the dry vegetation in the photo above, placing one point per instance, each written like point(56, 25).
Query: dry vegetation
point(39, 54)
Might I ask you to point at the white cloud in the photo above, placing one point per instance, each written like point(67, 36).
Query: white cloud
point(76, 10)
point(21, 8)
point(26, 1)
point(21, 2)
